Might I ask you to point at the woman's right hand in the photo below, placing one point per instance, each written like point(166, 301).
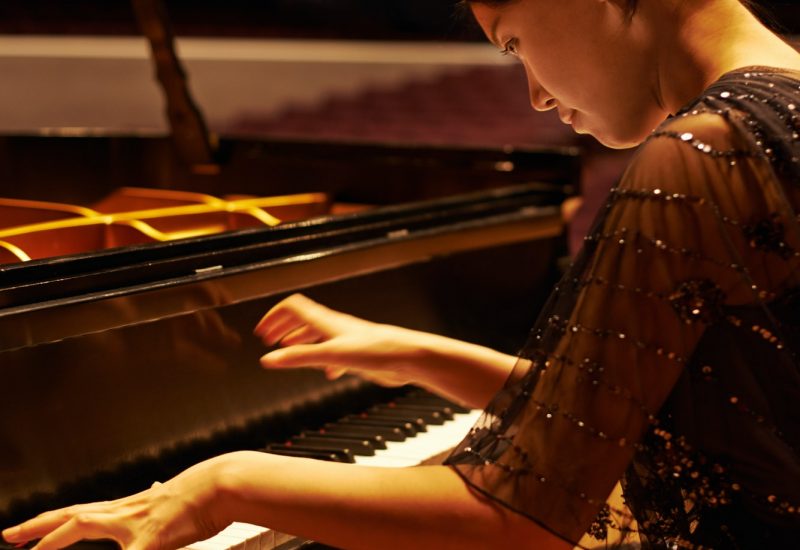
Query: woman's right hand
point(311, 335)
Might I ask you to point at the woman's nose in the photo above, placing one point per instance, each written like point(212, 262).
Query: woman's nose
point(540, 99)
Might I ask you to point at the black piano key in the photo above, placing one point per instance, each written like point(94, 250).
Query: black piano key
point(323, 445)
point(386, 433)
point(428, 416)
point(302, 544)
point(317, 455)
point(446, 412)
point(415, 419)
point(430, 399)
point(342, 455)
point(407, 427)
point(355, 446)
point(376, 441)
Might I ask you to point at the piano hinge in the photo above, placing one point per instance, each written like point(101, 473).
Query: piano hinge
point(202, 270)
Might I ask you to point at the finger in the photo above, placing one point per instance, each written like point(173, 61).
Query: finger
point(320, 355)
point(272, 330)
point(301, 355)
point(39, 526)
point(284, 308)
point(280, 325)
point(303, 335)
point(332, 373)
point(83, 526)
point(295, 311)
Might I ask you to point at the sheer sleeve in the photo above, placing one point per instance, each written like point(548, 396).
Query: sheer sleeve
point(666, 259)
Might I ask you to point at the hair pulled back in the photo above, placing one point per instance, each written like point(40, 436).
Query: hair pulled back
point(629, 5)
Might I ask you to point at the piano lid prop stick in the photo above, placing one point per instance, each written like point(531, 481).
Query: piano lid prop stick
point(189, 131)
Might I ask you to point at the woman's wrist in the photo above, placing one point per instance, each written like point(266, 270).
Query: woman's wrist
point(230, 482)
point(463, 371)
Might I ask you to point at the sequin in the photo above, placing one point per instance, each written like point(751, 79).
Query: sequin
point(601, 524)
point(698, 300)
point(689, 138)
point(767, 236)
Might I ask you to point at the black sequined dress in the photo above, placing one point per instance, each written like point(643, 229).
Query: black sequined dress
point(667, 358)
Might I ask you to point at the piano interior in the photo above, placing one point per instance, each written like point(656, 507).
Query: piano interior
point(131, 277)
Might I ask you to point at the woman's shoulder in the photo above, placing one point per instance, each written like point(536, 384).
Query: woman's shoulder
point(700, 131)
point(686, 148)
point(742, 133)
point(730, 114)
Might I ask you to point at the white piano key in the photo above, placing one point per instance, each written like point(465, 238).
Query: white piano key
point(216, 542)
point(386, 461)
point(255, 537)
point(238, 536)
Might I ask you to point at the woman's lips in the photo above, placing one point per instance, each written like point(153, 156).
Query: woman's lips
point(566, 116)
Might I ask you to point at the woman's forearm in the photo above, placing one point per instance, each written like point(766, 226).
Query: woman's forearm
point(309, 334)
point(355, 507)
point(345, 505)
point(465, 372)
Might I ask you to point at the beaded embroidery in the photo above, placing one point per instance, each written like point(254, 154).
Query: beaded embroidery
point(698, 300)
point(767, 236)
point(684, 485)
point(690, 139)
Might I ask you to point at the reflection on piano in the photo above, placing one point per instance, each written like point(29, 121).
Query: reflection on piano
point(126, 364)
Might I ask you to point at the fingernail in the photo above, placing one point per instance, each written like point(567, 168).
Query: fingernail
point(11, 533)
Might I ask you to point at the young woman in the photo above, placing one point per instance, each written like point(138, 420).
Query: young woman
point(666, 358)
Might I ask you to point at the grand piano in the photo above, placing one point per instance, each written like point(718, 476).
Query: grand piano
point(125, 362)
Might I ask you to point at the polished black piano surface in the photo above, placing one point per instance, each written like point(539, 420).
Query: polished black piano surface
point(124, 365)
point(131, 363)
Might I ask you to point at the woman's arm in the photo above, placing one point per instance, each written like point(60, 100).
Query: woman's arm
point(339, 504)
point(312, 335)
point(360, 507)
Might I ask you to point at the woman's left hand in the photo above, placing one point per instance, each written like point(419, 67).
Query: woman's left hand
point(169, 515)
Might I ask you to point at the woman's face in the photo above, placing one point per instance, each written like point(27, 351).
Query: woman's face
point(583, 58)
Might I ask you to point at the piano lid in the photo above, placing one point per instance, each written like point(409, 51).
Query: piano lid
point(159, 280)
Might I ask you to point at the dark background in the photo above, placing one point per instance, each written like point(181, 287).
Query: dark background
point(342, 19)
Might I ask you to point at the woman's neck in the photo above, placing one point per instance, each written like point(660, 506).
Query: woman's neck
point(713, 37)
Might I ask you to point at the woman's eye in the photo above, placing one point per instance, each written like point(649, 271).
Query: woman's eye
point(510, 47)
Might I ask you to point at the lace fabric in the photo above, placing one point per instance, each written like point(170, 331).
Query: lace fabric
point(667, 356)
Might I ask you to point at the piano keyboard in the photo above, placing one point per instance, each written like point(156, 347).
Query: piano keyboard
point(428, 425)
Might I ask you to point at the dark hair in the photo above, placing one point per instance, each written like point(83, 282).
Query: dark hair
point(630, 5)
point(630, 8)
